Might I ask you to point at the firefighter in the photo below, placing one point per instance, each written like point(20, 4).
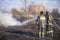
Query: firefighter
point(49, 29)
point(44, 25)
point(41, 20)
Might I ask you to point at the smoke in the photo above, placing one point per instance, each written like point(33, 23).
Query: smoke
point(6, 19)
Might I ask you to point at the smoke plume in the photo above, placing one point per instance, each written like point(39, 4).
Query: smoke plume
point(6, 19)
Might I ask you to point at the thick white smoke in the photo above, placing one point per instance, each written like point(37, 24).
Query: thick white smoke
point(6, 19)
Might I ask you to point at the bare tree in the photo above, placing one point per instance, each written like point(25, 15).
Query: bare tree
point(17, 13)
point(26, 6)
point(55, 13)
point(36, 9)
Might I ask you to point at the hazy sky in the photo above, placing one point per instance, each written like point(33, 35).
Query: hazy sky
point(9, 4)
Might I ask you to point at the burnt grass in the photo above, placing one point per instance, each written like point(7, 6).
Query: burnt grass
point(22, 34)
point(16, 36)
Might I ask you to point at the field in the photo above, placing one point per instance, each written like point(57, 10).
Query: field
point(23, 34)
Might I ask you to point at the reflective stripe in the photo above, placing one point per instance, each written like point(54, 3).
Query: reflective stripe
point(50, 17)
point(42, 18)
point(49, 24)
point(50, 31)
point(41, 33)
